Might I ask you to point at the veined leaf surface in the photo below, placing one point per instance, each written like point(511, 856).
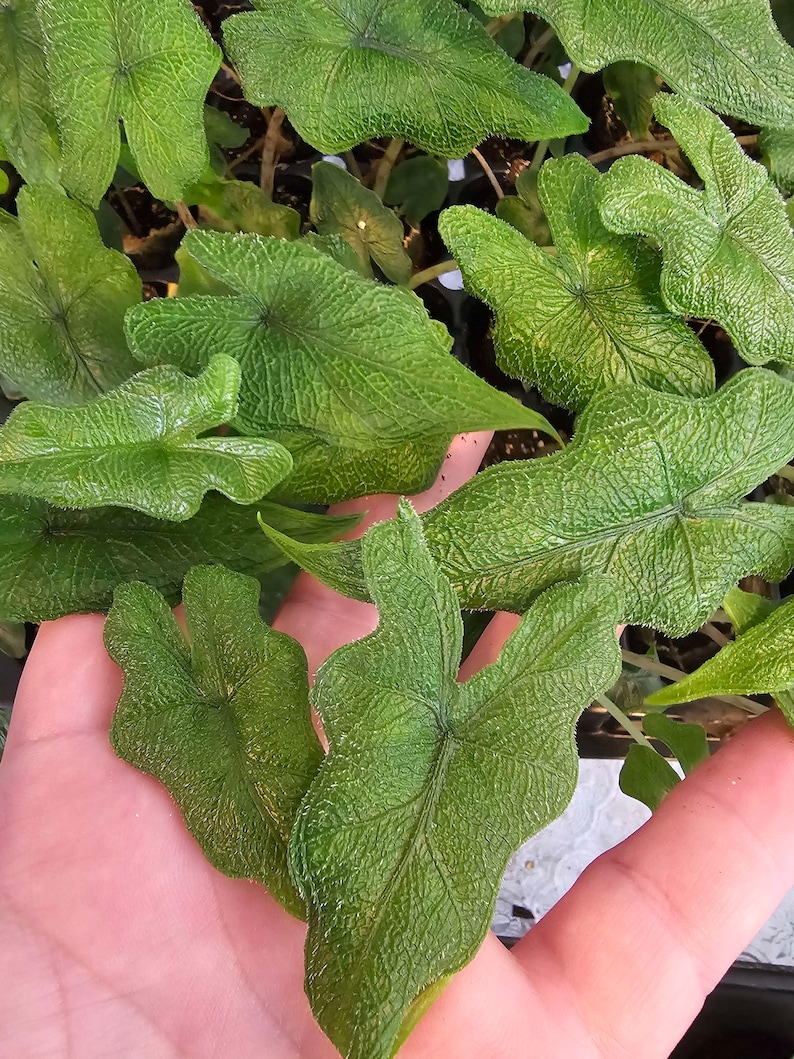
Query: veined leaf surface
point(426, 71)
point(140, 447)
point(429, 786)
point(586, 320)
point(224, 723)
point(728, 249)
point(63, 296)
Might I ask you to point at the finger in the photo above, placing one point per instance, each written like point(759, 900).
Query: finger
point(661, 917)
point(320, 618)
point(69, 684)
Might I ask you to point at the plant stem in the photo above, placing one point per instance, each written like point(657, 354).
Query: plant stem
point(385, 166)
point(490, 174)
point(543, 145)
point(184, 214)
point(353, 166)
point(650, 665)
point(714, 634)
point(646, 146)
point(432, 273)
point(539, 46)
point(625, 722)
point(270, 151)
point(496, 25)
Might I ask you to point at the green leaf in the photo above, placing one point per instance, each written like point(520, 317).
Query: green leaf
point(729, 249)
point(340, 205)
point(60, 562)
point(27, 124)
point(63, 296)
point(524, 210)
point(587, 319)
point(12, 639)
point(777, 153)
point(140, 447)
point(730, 57)
point(418, 186)
point(632, 87)
point(425, 71)
point(746, 609)
point(648, 492)
point(511, 36)
point(240, 206)
point(686, 741)
point(647, 776)
point(323, 352)
point(223, 723)
point(758, 661)
point(147, 62)
point(335, 247)
point(194, 279)
point(222, 131)
point(429, 785)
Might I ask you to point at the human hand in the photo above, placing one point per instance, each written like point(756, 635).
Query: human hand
point(117, 937)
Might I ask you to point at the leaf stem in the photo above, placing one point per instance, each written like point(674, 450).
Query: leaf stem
point(667, 144)
point(625, 722)
point(490, 174)
point(433, 272)
point(270, 151)
point(650, 665)
point(386, 164)
point(184, 214)
point(543, 145)
point(539, 46)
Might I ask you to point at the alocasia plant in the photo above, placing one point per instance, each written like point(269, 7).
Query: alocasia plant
point(427, 71)
point(63, 296)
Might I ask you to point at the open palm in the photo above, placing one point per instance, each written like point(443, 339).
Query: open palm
point(117, 938)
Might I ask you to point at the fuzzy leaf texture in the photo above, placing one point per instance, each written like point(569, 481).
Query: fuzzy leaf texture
point(63, 296)
point(728, 249)
point(140, 447)
point(326, 355)
point(586, 320)
point(60, 562)
point(340, 205)
point(28, 130)
point(223, 723)
point(146, 62)
point(729, 56)
point(425, 71)
point(429, 786)
point(649, 491)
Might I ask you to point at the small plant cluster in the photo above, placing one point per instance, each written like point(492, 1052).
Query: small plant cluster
point(181, 445)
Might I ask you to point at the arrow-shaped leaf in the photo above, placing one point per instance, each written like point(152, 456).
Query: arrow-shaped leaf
point(28, 130)
point(224, 723)
point(147, 62)
point(728, 249)
point(140, 447)
point(58, 562)
point(584, 321)
point(429, 786)
point(323, 352)
point(426, 71)
point(729, 56)
point(342, 206)
point(63, 296)
point(649, 491)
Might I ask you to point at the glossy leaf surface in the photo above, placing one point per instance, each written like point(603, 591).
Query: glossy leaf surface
point(148, 62)
point(140, 447)
point(60, 562)
point(587, 319)
point(728, 249)
point(429, 785)
point(418, 186)
point(632, 87)
point(224, 723)
point(63, 296)
point(240, 206)
point(425, 71)
point(323, 352)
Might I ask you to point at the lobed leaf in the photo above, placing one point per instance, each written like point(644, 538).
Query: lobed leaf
point(323, 352)
point(425, 71)
point(28, 129)
point(429, 786)
point(728, 249)
point(728, 56)
point(223, 723)
point(60, 562)
point(340, 205)
point(140, 447)
point(649, 491)
point(587, 319)
point(63, 296)
point(146, 62)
